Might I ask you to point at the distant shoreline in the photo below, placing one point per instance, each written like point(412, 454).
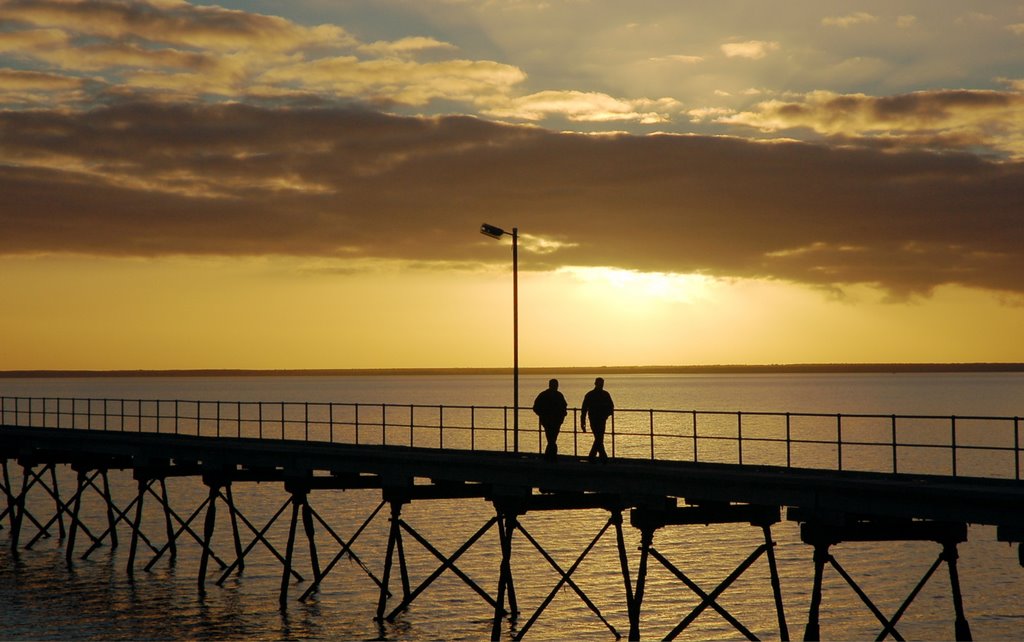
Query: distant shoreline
point(791, 368)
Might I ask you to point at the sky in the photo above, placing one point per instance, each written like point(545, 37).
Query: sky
point(301, 184)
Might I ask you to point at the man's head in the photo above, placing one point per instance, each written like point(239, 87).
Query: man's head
point(599, 383)
point(553, 384)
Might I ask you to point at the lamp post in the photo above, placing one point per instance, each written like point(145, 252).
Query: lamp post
point(497, 233)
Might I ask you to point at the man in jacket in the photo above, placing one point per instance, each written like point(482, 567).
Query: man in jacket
point(597, 404)
point(551, 407)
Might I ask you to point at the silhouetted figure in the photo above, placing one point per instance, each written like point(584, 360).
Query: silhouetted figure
point(551, 407)
point(598, 405)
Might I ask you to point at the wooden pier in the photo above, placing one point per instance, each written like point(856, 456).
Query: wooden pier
point(650, 495)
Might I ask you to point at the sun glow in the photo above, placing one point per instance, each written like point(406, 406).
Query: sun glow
point(648, 286)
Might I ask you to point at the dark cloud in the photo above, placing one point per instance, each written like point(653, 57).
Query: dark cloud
point(934, 119)
point(177, 23)
point(151, 179)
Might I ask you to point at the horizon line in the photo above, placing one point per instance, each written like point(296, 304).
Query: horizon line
point(781, 368)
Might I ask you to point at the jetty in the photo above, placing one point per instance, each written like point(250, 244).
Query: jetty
point(841, 477)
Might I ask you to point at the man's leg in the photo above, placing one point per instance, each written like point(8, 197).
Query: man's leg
point(598, 428)
point(595, 448)
point(551, 432)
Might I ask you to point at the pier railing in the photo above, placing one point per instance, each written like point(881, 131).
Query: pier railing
point(957, 446)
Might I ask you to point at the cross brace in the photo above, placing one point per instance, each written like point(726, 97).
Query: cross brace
point(649, 520)
point(822, 534)
point(16, 503)
point(509, 509)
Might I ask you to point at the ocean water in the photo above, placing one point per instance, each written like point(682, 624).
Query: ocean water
point(43, 598)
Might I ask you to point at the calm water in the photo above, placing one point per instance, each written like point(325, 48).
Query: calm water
point(42, 598)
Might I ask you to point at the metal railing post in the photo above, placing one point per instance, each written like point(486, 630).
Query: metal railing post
point(694, 436)
point(839, 440)
point(383, 424)
point(652, 434)
point(739, 436)
point(440, 426)
point(575, 434)
point(952, 436)
point(1016, 448)
point(789, 443)
point(613, 436)
point(895, 468)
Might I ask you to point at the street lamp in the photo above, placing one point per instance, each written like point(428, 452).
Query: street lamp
point(497, 233)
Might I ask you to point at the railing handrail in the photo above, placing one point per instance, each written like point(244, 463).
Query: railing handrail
point(699, 437)
point(686, 411)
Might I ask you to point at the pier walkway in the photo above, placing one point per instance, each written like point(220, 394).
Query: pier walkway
point(844, 478)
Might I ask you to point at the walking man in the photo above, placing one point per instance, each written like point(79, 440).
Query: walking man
point(597, 404)
point(551, 407)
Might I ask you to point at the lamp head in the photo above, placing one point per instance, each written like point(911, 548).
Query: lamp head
point(491, 231)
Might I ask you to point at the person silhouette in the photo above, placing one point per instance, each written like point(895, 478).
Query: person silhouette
point(598, 405)
point(551, 407)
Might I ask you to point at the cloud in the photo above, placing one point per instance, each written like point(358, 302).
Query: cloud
point(174, 51)
point(974, 17)
point(583, 107)
point(181, 52)
point(403, 81)
point(941, 118)
point(171, 23)
point(32, 88)
point(20, 80)
point(405, 46)
point(752, 49)
point(689, 60)
point(850, 20)
point(31, 40)
point(146, 179)
point(906, 22)
point(709, 113)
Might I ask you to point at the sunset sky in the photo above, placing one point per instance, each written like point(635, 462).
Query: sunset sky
point(254, 184)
